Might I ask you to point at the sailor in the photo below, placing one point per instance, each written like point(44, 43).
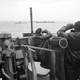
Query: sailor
point(41, 40)
point(38, 40)
point(72, 53)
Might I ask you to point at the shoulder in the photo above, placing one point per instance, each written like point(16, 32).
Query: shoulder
point(75, 34)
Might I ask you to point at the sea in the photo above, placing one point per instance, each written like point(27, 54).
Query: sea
point(17, 28)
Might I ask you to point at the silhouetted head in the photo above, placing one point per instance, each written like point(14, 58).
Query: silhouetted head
point(77, 25)
point(45, 31)
point(70, 25)
point(38, 31)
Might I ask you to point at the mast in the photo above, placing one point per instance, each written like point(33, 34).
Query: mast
point(31, 20)
point(29, 49)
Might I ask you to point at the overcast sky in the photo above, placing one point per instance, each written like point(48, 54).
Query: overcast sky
point(54, 10)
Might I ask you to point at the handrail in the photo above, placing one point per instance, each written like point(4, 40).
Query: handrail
point(33, 47)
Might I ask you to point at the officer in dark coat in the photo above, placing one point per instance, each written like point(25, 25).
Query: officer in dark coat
point(72, 53)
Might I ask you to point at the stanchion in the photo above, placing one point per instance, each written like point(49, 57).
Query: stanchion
point(32, 62)
point(25, 63)
point(32, 65)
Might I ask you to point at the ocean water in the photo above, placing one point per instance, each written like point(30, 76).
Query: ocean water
point(17, 28)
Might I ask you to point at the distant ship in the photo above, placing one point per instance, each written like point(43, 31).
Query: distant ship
point(45, 22)
point(21, 22)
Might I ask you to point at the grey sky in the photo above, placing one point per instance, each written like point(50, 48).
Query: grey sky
point(56, 10)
